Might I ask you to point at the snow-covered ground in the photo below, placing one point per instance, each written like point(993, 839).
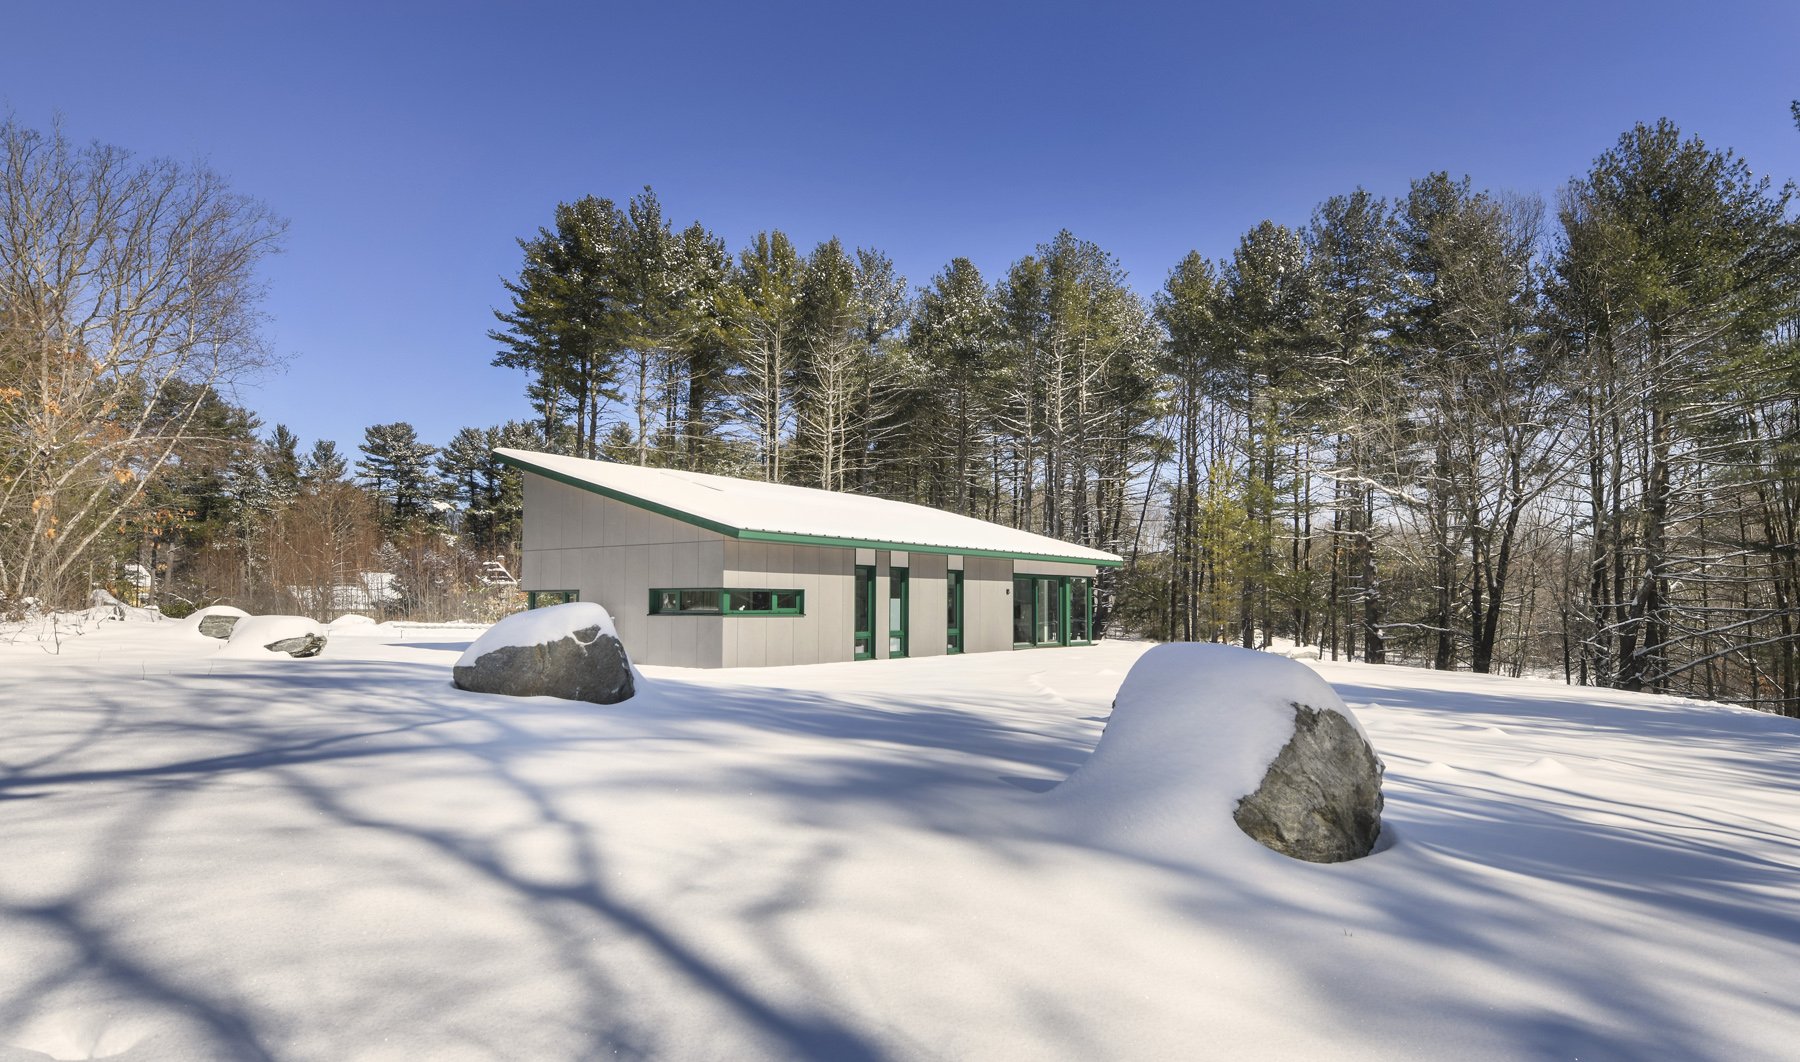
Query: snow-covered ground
point(345, 858)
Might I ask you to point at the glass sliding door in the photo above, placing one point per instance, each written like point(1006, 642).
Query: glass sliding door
point(1048, 601)
point(1081, 610)
point(897, 602)
point(1052, 610)
point(953, 612)
point(1023, 624)
point(864, 634)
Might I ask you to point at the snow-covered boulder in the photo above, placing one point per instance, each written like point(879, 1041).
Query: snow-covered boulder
point(214, 621)
point(570, 651)
point(1204, 735)
point(255, 637)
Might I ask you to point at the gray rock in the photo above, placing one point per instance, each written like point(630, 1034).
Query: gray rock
point(1320, 800)
point(302, 645)
point(584, 666)
point(218, 626)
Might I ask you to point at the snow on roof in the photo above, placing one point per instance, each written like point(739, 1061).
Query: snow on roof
point(751, 509)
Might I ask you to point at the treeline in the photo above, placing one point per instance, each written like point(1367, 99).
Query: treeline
point(397, 529)
point(1456, 428)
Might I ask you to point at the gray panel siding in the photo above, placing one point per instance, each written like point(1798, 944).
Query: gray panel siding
point(615, 553)
point(822, 635)
point(987, 604)
point(927, 606)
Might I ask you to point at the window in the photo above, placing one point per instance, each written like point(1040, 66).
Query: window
point(727, 601)
point(953, 612)
point(546, 598)
point(1052, 610)
point(1081, 610)
point(864, 634)
point(897, 613)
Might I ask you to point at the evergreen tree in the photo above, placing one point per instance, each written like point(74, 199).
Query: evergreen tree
point(325, 464)
point(955, 339)
point(398, 468)
point(281, 464)
point(571, 317)
point(764, 310)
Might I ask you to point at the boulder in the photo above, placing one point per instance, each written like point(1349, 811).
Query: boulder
point(570, 651)
point(214, 621)
point(1320, 799)
point(300, 645)
point(1208, 745)
point(218, 626)
point(258, 637)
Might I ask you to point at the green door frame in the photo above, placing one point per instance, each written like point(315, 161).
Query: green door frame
point(1063, 594)
point(863, 583)
point(898, 580)
point(953, 621)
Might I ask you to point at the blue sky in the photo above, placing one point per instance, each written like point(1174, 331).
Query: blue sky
point(411, 145)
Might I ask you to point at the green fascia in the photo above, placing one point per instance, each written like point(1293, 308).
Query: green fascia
point(788, 537)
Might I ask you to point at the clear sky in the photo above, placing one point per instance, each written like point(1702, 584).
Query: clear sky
point(411, 145)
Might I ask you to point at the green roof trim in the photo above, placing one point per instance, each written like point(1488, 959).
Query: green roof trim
point(786, 536)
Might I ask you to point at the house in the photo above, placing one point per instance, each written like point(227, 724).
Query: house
point(711, 571)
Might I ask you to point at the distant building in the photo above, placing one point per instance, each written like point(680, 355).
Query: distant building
point(711, 571)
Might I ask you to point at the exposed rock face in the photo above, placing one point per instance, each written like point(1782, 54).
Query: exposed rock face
point(218, 626)
point(1320, 799)
point(585, 665)
point(303, 645)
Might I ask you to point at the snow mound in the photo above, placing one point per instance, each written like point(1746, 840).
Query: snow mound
point(253, 634)
point(539, 626)
point(351, 619)
point(1193, 730)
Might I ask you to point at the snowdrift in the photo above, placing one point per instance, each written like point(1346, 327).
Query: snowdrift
point(1193, 731)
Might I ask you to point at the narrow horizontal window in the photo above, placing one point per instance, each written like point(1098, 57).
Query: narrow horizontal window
point(728, 601)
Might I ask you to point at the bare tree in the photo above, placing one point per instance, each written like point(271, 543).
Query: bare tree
point(128, 294)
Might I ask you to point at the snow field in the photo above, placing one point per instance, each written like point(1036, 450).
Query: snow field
point(345, 858)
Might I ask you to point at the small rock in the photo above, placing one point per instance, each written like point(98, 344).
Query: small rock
point(300, 646)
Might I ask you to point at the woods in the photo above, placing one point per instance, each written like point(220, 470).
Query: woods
point(1457, 427)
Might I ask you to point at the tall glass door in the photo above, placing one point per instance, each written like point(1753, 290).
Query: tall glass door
point(1049, 610)
point(953, 612)
point(1023, 624)
point(897, 603)
point(864, 645)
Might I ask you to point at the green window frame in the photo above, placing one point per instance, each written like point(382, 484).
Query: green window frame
point(1078, 605)
point(546, 598)
point(899, 613)
point(953, 612)
point(862, 622)
point(726, 601)
point(1052, 610)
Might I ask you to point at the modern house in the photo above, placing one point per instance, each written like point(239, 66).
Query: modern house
point(711, 571)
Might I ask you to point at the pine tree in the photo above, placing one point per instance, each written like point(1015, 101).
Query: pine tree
point(281, 464)
point(955, 338)
point(764, 311)
point(571, 317)
point(397, 467)
point(325, 464)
